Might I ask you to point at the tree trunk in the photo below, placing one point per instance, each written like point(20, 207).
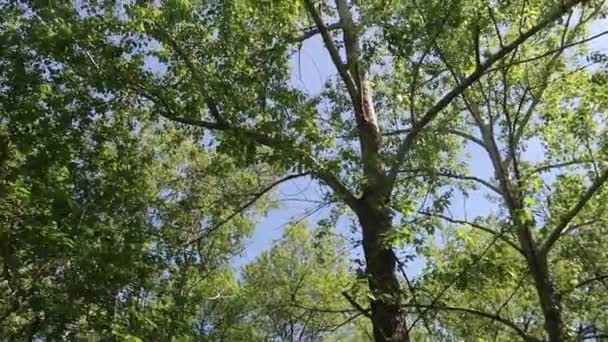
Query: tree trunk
point(545, 288)
point(388, 321)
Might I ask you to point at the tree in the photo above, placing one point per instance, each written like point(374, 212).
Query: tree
point(487, 290)
point(284, 288)
point(413, 81)
point(109, 223)
point(543, 95)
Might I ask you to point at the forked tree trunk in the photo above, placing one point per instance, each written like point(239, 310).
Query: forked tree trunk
point(388, 321)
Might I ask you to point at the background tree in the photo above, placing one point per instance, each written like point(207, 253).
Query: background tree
point(284, 287)
point(543, 99)
point(107, 220)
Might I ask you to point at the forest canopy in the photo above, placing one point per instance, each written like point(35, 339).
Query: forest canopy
point(458, 148)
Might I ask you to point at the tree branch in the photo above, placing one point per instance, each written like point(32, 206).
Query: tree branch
point(476, 226)
point(555, 14)
point(324, 310)
point(588, 281)
point(476, 259)
point(496, 28)
point(571, 214)
point(312, 31)
point(536, 98)
point(221, 125)
point(549, 167)
point(412, 290)
point(487, 315)
point(211, 104)
point(356, 305)
point(550, 52)
point(217, 126)
point(246, 205)
point(459, 133)
point(455, 176)
point(274, 142)
point(333, 51)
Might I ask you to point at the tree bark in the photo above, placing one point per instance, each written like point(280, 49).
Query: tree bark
point(388, 320)
point(548, 295)
point(536, 259)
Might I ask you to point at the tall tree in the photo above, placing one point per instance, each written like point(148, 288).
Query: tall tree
point(544, 98)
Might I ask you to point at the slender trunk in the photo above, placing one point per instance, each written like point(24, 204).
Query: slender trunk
point(387, 318)
point(545, 288)
point(536, 261)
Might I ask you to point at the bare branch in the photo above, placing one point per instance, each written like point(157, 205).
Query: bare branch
point(586, 282)
point(574, 227)
point(211, 104)
point(589, 261)
point(536, 98)
point(348, 320)
point(519, 285)
point(476, 36)
point(476, 259)
point(496, 28)
point(412, 290)
point(549, 167)
point(275, 142)
point(565, 221)
point(416, 73)
point(170, 114)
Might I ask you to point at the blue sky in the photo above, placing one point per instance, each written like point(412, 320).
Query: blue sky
point(315, 68)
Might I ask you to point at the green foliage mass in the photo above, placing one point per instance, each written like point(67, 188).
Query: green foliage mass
point(140, 143)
